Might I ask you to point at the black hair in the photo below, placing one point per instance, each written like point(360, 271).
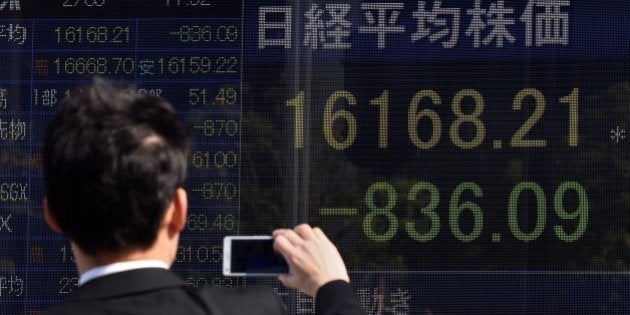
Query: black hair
point(113, 159)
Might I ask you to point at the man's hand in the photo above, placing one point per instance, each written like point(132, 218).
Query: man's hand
point(313, 259)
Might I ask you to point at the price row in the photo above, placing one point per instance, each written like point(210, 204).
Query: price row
point(126, 65)
point(223, 95)
point(465, 218)
point(424, 125)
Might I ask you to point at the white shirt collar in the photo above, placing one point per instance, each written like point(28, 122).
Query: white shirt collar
point(104, 270)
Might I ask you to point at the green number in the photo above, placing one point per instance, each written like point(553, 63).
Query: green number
point(428, 210)
point(392, 221)
point(581, 213)
point(541, 208)
point(455, 210)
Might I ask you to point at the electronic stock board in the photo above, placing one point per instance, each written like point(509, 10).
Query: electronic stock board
point(467, 157)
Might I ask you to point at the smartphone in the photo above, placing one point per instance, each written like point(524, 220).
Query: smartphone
point(252, 256)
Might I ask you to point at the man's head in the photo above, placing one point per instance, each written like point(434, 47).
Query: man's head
point(113, 160)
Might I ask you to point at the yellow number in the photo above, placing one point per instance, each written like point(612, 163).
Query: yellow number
point(573, 101)
point(518, 140)
point(414, 117)
point(331, 116)
point(472, 118)
point(298, 103)
point(383, 103)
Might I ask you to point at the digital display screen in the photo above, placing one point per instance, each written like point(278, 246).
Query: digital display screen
point(255, 256)
point(465, 156)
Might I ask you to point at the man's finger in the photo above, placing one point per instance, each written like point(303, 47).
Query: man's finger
point(320, 234)
point(292, 237)
point(305, 231)
point(282, 245)
point(277, 232)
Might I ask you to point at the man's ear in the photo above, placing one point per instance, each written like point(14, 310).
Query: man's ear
point(50, 218)
point(178, 211)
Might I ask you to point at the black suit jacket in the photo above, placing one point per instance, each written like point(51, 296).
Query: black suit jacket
point(158, 291)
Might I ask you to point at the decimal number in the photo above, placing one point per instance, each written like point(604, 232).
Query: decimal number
point(335, 115)
point(226, 96)
point(203, 223)
point(87, 3)
point(123, 65)
point(216, 159)
point(93, 34)
point(381, 224)
point(206, 33)
point(199, 254)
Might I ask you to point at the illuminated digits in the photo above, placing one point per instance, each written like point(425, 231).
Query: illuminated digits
point(581, 212)
point(226, 96)
point(298, 103)
point(383, 103)
point(428, 211)
point(472, 118)
point(518, 140)
point(93, 34)
point(226, 65)
point(87, 3)
point(199, 254)
point(227, 33)
point(184, 33)
point(414, 117)
point(225, 159)
point(200, 159)
point(70, 3)
point(81, 66)
point(70, 34)
point(196, 222)
point(541, 211)
point(196, 65)
point(197, 96)
point(573, 100)
point(376, 211)
point(455, 211)
point(67, 285)
point(223, 223)
point(218, 191)
point(124, 65)
point(195, 33)
point(175, 64)
point(200, 222)
point(331, 116)
point(97, 34)
point(66, 254)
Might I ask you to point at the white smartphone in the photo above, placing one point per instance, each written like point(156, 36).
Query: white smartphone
point(251, 256)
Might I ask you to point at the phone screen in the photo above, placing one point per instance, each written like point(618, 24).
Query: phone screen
point(256, 256)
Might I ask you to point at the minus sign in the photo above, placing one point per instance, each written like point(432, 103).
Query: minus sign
point(338, 211)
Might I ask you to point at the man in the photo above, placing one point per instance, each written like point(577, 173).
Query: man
point(114, 168)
